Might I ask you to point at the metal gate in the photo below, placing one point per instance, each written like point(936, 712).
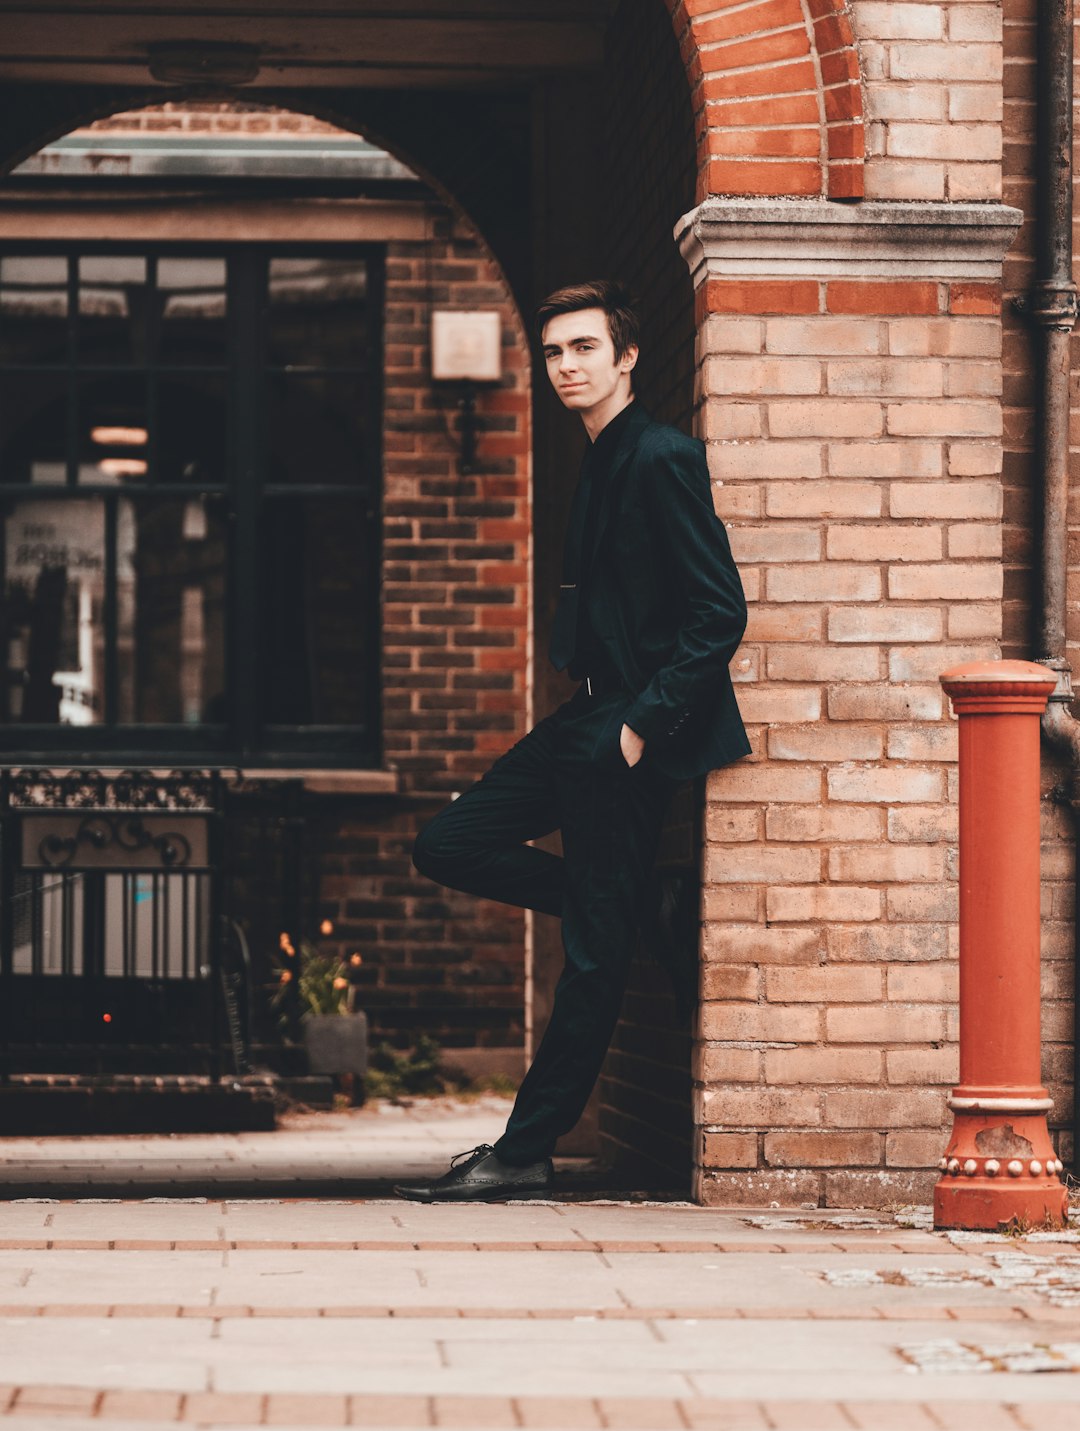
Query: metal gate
point(111, 923)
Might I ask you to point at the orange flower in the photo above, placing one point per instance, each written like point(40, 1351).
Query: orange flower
point(286, 975)
point(326, 927)
point(340, 983)
point(355, 960)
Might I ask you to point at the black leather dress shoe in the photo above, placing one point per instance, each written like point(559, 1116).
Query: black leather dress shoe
point(481, 1177)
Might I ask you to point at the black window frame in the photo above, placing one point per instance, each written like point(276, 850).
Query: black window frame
point(244, 740)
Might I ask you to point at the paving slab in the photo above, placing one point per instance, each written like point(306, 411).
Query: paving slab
point(353, 1150)
point(223, 1302)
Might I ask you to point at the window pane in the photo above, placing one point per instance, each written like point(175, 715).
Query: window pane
point(318, 313)
point(316, 429)
point(33, 309)
point(33, 429)
point(112, 309)
point(318, 603)
point(170, 567)
point(113, 430)
point(192, 432)
point(54, 555)
point(115, 446)
point(191, 302)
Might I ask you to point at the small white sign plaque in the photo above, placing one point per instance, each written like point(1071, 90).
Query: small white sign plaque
point(465, 346)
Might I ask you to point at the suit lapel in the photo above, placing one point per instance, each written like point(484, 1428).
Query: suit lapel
point(639, 420)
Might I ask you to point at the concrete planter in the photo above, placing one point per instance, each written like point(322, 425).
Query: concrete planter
point(336, 1043)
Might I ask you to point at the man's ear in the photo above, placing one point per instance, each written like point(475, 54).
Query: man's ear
point(628, 361)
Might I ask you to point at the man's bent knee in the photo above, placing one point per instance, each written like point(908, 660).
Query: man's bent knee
point(436, 851)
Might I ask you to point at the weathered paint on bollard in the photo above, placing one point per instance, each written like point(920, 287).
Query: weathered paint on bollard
point(1000, 1165)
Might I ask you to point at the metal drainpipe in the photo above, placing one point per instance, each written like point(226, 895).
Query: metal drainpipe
point(1053, 306)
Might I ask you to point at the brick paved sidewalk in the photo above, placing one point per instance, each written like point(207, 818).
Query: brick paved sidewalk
point(227, 1312)
point(354, 1154)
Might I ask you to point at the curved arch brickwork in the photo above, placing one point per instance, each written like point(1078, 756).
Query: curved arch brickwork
point(777, 102)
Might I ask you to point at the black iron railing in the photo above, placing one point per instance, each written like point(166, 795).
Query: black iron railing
point(115, 953)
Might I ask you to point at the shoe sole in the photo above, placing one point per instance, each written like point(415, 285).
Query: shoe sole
point(502, 1195)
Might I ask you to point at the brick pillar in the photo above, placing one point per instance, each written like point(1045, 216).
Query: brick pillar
point(849, 390)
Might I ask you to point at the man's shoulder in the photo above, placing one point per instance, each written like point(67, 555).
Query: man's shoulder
point(661, 440)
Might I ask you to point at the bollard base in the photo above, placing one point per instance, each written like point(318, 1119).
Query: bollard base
point(1000, 1166)
point(982, 1205)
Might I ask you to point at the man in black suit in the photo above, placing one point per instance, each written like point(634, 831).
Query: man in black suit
point(650, 613)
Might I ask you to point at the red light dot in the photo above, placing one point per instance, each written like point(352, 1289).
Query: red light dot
point(106, 1018)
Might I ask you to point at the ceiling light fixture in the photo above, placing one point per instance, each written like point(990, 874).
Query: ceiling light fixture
point(123, 466)
point(203, 62)
point(119, 436)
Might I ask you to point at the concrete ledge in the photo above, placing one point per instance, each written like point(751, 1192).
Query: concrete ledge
point(37, 1111)
point(483, 1062)
point(872, 239)
point(331, 782)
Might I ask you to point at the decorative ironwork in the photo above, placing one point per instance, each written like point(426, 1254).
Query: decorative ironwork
point(68, 840)
point(122, 790)
point(101, 831)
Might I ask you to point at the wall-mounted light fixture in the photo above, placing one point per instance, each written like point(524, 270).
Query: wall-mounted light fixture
point(466, 349)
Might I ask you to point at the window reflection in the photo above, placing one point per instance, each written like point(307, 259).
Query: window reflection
point(316, 429)
point(192, 429)
point(191, 304)
point(318, 312)
point(33, 429)
point(318, 567)
point(33, 309)
point(112, 309)
point(113, 429)
point(54, 572)
point(170, 612)
point(170, 600)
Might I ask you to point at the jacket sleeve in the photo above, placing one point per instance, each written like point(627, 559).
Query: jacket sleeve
point(697, 554)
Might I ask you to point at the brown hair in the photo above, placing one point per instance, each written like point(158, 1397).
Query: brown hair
point(613, 298)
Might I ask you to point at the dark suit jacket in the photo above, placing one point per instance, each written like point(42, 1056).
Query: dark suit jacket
point(664, 597)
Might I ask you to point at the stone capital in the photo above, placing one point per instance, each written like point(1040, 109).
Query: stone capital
point(873, 239)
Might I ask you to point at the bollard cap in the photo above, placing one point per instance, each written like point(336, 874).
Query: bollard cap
point(1000, 680)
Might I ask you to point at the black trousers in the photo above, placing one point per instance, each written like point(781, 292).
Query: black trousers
point(567, 774)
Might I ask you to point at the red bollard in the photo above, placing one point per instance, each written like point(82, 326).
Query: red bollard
point(1000, 1165)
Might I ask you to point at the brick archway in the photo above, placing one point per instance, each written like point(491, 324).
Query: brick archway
point(453, 562)
point(777, 101)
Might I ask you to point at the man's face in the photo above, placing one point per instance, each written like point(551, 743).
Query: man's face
point(581, 363)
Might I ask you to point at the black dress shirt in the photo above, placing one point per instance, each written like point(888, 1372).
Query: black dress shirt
point(574, 643)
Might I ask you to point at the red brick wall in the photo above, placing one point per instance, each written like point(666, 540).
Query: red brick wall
point(455, 654)
point(932, 96)
point(456, 548)
point(1021, 517)
point(855, 450)
point(211, 117)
